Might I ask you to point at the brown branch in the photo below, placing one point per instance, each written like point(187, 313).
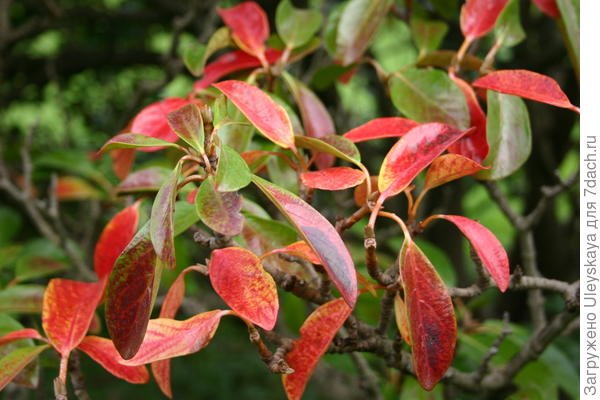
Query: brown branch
point(76, 376)
point(274, 361)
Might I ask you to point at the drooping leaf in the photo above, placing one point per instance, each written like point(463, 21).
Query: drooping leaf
point(548, 7)
point(429, 95)
point(114, 238)
point(135, 141)
point(508, 29)
point(509, 135)
point(335, 178)
point(526, 84)
point(402, 319)
point(232, 62)
point(145, 180)
point(232, 171)
point(152, 120)
point(130, 293)
point(380, 128)
point(161, 219)
point(22, 299)
point(427, 34)
point(296, 26)
point(249, 26)
point(431, 317)
point(237, 275)
point(103, 351)
point(68, 311)
point(267, 116)
point(449, 167)
point(25, 333)
point(168, 338)
point(219, 211)
point(335, 145)
point(358, 23)
point(298, 249)
point(316, 334)
point(320, 235)
point(411, 154)
point(488, 248)
point(187, 123)
point(477, 17)
point(475, 144)
point(69, 188)
point(14, 362)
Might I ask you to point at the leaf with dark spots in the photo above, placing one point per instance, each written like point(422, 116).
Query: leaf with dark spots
point(316, 334)
point(320, 235)
point(380, 128)
point(187, 123)
point(145, 180)
point(477, 17)
point(431, 317)
point(219, 211)
point(449, 167)
point(161, 219)
point(68, 311)
point(237, 275)
point(335, 178)
point(130, 293)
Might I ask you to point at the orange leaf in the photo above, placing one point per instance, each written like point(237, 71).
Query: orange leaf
point(168, 338)
point(298, 249)
point(249, 27)
point(68, 310)
point(103, 351)
point(449, 167)
point(316, 334)
point(69, 188)
point(161, 370)
point(25, 333)
point(237, 275)
point(335, 178)
point(402, 318)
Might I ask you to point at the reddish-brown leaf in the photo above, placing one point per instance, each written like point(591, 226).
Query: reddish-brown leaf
point(298, 249)
point(161, 370)
point(488, 248)
point(168, 338)
point(187, 123)
point(161, 219)
point(68, 310)
point(152, 120)
point(477, 17)
point(316, 334)
point(232, 62)
point(449, 167)
point(411, 154)
point(334, 178)
point(237, 275)
point(122, 162)
point(220, 211)
point(249, 26)
point(103, 351)
point(431, 317)
point(473, 145)
point(69, 188)
point(320, 235)
point(267, 116)
point(526, 84)
point(114, 238)
point(380, 128)
point(25, 333)
point(548, 7)
point(145, 180)
point(130, 292)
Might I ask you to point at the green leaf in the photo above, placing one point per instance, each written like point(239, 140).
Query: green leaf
point(357, 26)
point(29, 376)
point(187, 123)
point(193, 58)
point(508, 29)
point(32, 267)
point(279, 234)
point(331, 28)
point(296, 26)
point(569, 14)
point(393, 46)
point(232, 171)
point(185, 216)
point(428, 34)
point(74, 163)
point(11, 224)
point(133, 141)
point(508, 134)
point(9, 254)
point(335, 145)
point(12, 364)
point(20, 299)
point(429, 95)
point(220, 39)
point(219, 211)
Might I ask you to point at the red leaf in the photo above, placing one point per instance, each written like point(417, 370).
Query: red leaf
point(488, 248)
point(237, 275)
point(335, 178)
point(122, 161)
point(477, 17)
point(320, 235)
point(267, 116)
point(316, 334)
point(232, 62)
point(130, 293)
point(145, 180)
point(161, 219)
point(411, 154)
point(548, 7)
point(161, 370)
point(449, 167)
point(25, 333)
point(114, 238)
point(380, 128)
point(168, 338)
point(431, 317)
point(297, 249)
point(69, 188)
point(152, 120)
point(526, 84)
point(473, 145)
point(103, 351)
point(68, 311)
point(249, 26)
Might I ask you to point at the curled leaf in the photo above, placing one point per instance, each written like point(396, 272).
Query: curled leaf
point(335, 178)
point(380, 128)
